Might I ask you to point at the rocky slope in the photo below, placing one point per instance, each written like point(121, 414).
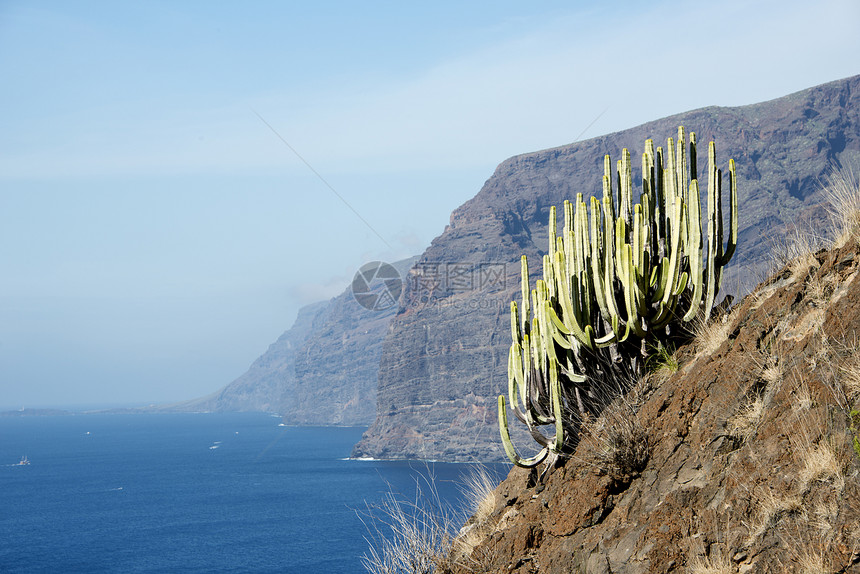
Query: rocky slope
point(444, 359)
point(322, 371)
point(749, 452)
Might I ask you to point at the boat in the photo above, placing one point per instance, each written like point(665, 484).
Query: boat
point(24, 461)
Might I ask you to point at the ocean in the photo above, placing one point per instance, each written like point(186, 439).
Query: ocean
point(194, 493)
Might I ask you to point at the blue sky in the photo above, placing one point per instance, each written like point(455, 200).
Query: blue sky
point(156, 236)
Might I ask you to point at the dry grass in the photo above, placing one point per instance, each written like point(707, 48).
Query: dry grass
point(851, 379)
point(421, 536)
point(841, 361)
point(663, 363)
point(806, 553)
point(478, 490)
point(804, 400)
point(743, 424)
point(811, 562)
point(408, 537)
point(709, 335)
point(771, 509)
point(819, 465)
point(824, 517)
point(709, 565)
point(843, 198)
point(620, 442)
point(796, 250)
point(817, 290)
point(772, 373)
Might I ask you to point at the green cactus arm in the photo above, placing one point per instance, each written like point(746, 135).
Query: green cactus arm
point(524, 287)
point(510, 450)
point(622, 332)
point(516, 383)
point(567, 300)
point(670, 186)
point(713, 249)
point(694, 251)
point(608, 339)
point(610, 264)
point(548, 275)
point(516, 332)
point(647, 168)
point(582, 251)
point(682, 284)
point(526, 358)
point(625, 177)
point(607, 187)
point(546, 331)
point(559, 267)
point(733, 216)
point(556, 329)
point(681, 165)
point(647, 231)
point(566, 329)
point(620, 241)
point(662, 315)
point(609, 256)
point(628, 281)
point(572, 375)
point(568, 215)
point(538, 360)
point(718, 200)
point(659, 206)
point(596, 258)
point(693, 160)
point(574, 260)
point(637, 244)
point(659, 279)
point(558, 415)
point(674, 250)
point(569, 239)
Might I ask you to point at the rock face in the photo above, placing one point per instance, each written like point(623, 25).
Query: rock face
point(754, 447)
point(444, 359)
point(323, 371)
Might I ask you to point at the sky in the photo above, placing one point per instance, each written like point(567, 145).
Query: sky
point(178, 178)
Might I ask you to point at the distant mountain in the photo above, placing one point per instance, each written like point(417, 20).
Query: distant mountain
point(444, 358)
point(322, 371)
point(34, 413)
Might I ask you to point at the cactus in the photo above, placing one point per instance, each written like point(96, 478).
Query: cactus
point(619, 279)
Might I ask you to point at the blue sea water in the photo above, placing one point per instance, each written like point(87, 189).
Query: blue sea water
point(192, 493)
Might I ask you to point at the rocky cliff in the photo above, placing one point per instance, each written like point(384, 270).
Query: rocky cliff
point(322, 371)
point(444, 358)
point(744, 457)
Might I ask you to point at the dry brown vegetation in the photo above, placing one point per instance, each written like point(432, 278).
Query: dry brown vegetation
point(424, 535)
point(843, 198)
point(618, 440)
